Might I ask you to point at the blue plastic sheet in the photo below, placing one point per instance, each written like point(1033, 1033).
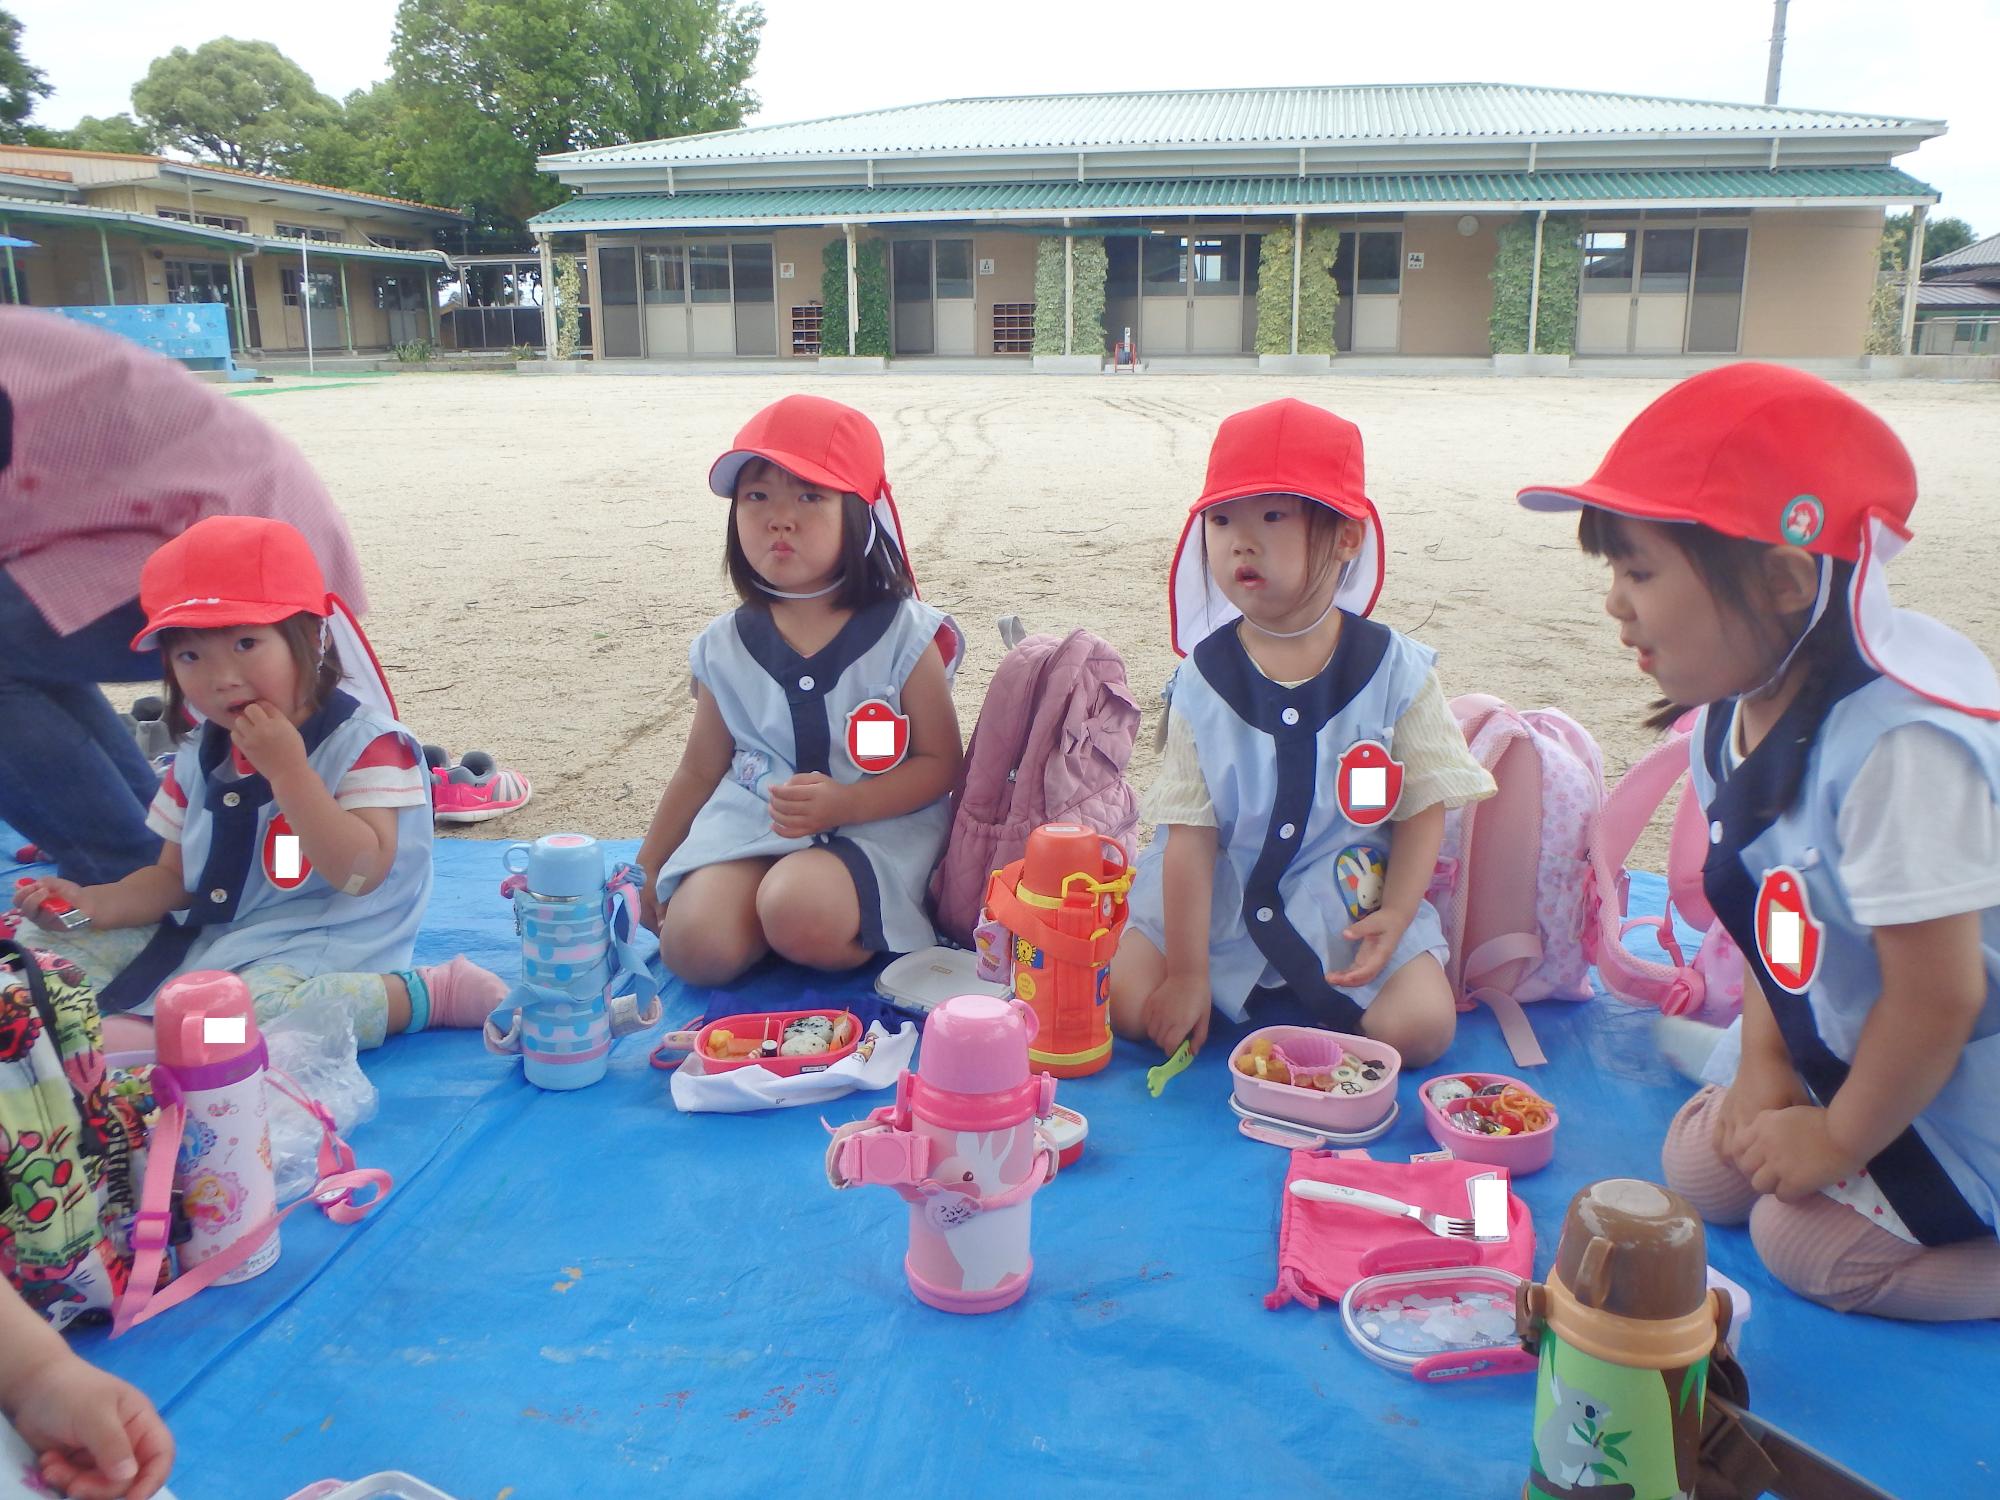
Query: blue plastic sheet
point(589, 1294)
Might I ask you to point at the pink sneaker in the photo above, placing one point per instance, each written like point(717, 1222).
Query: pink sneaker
point(473, 793)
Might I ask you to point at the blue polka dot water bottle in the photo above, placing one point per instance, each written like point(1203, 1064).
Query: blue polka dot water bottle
point(559, 907)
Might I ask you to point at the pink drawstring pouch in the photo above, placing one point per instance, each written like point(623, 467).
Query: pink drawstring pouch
point(1324, 1248)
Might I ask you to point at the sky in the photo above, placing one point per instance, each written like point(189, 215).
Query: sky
point(820, 57)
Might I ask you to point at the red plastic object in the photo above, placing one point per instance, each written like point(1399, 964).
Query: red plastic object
point(760, 1024)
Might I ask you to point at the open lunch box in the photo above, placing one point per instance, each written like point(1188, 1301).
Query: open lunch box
point(787, 1042)
point(1446, 1323)
point(1491, 1100)
point(1294, 1084)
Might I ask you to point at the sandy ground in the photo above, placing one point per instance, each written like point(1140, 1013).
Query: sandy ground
point(539, 552)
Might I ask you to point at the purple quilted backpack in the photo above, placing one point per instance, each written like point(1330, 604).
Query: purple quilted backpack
point(1051, 746)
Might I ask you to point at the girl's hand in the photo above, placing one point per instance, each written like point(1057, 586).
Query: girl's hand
point(269, 741)
point(1760, 1087)
point(806, 805)
point(1791, 1153)
point(1377, 934)
point(649, 904)
point(98, 1437)
point(1177, 1011)
point(28, 899)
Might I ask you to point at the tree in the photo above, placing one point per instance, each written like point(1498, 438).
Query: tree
point(363, 148)
point(491, 85)
point(118, 132)
point(243, 104)
point(1941, 237)
point(20, 84)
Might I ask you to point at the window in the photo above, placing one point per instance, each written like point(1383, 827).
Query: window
point(1718, 265)
point(394, 242)
point(1379, 263)
point(666, 274)
point(1216, 266)
point(198, 281)
point(954, 269)
point(708, 273)
point(325, 290)
point(1666, 258)
point(754, 278)
point(307, 232)
point(211, 221)
point(1607, 261)
point(1163, 266)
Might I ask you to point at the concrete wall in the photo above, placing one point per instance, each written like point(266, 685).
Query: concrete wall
point(1013, 280)
point(1447, 305)
point(1808, 283)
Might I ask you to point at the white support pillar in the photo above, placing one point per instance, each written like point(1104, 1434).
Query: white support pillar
point(1913, 275)
point(346, 310)
point(1069, 290)
point(548, 299)
point(305, 302)
point(431, 303)
point(1535, 286)
point(236, 296)
point(1298, 265)
point(104, 249)
point(853, 303)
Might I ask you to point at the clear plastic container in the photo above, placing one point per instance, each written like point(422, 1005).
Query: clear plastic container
point(1450, 1323)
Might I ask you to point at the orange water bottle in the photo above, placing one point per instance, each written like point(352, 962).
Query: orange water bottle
point(1062, 908)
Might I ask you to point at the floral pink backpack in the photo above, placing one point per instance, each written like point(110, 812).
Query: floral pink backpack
point(1054, 736)
point(1712, 983)
point(1514, 882)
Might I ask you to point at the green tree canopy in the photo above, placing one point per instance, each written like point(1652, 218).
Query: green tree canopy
point(20, 84)
point(1941, 237)
point(364, 147)
point(118, 132)
point(491, 85)
point(243, 104)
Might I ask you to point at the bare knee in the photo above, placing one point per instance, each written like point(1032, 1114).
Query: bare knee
point(1419, 1036)
point(809, 924)
point(1136, 971)
point(703, 946)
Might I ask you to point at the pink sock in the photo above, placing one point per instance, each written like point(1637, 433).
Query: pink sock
point(462, 993)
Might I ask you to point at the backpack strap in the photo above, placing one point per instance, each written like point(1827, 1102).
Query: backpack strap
point(1676, 987)
point(631, 961)
point(152, 1225)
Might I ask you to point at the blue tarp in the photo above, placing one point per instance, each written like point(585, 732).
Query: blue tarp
point(591, 1294)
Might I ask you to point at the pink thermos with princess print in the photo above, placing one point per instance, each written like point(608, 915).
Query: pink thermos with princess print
point(205, 1025)
point(960, 1145)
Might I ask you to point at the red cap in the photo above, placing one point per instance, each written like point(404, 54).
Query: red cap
point(1756, 451)
point(229, 570)
point(1280, 448)
point(821, 441)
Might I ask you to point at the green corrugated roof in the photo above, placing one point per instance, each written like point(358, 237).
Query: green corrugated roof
point(1228, 194)
point(1228, 117)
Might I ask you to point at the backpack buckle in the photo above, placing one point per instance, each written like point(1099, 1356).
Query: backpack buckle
point(152, 1229)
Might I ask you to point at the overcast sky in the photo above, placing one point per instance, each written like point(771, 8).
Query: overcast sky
point(1932, 61)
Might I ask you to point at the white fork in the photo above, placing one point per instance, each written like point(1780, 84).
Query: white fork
point(1330, 1192)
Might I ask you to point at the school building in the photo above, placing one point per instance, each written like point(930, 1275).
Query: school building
point(287, 259)
point(1659, 226)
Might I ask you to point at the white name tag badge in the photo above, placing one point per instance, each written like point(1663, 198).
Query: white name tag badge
point(1368, 786)
point(873, 738)
point(285, 857)
point(1788, 937)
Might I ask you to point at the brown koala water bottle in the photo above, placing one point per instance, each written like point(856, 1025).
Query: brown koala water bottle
point(1623, 1328)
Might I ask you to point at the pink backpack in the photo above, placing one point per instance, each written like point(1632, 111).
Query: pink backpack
point(1514, 878)
point(1053, 739)
point(1713, 983)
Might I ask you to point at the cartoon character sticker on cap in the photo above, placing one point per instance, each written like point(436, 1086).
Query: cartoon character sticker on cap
point(1790, 938)
point(1369, 783)
point(1804, 516)
point(877, 737)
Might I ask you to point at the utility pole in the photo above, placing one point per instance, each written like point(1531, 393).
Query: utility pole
point(1777, 51)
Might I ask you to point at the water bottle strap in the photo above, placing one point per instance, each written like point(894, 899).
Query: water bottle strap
point(333, 1194)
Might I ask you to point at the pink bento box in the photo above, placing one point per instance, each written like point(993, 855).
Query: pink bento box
point(1519, 1154)
point(1341, 1112)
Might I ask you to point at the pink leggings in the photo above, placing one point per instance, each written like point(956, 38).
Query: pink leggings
point(1825, 1250)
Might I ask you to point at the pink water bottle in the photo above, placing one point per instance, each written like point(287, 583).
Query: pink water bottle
point(961, 1146)
point(206, 1026)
